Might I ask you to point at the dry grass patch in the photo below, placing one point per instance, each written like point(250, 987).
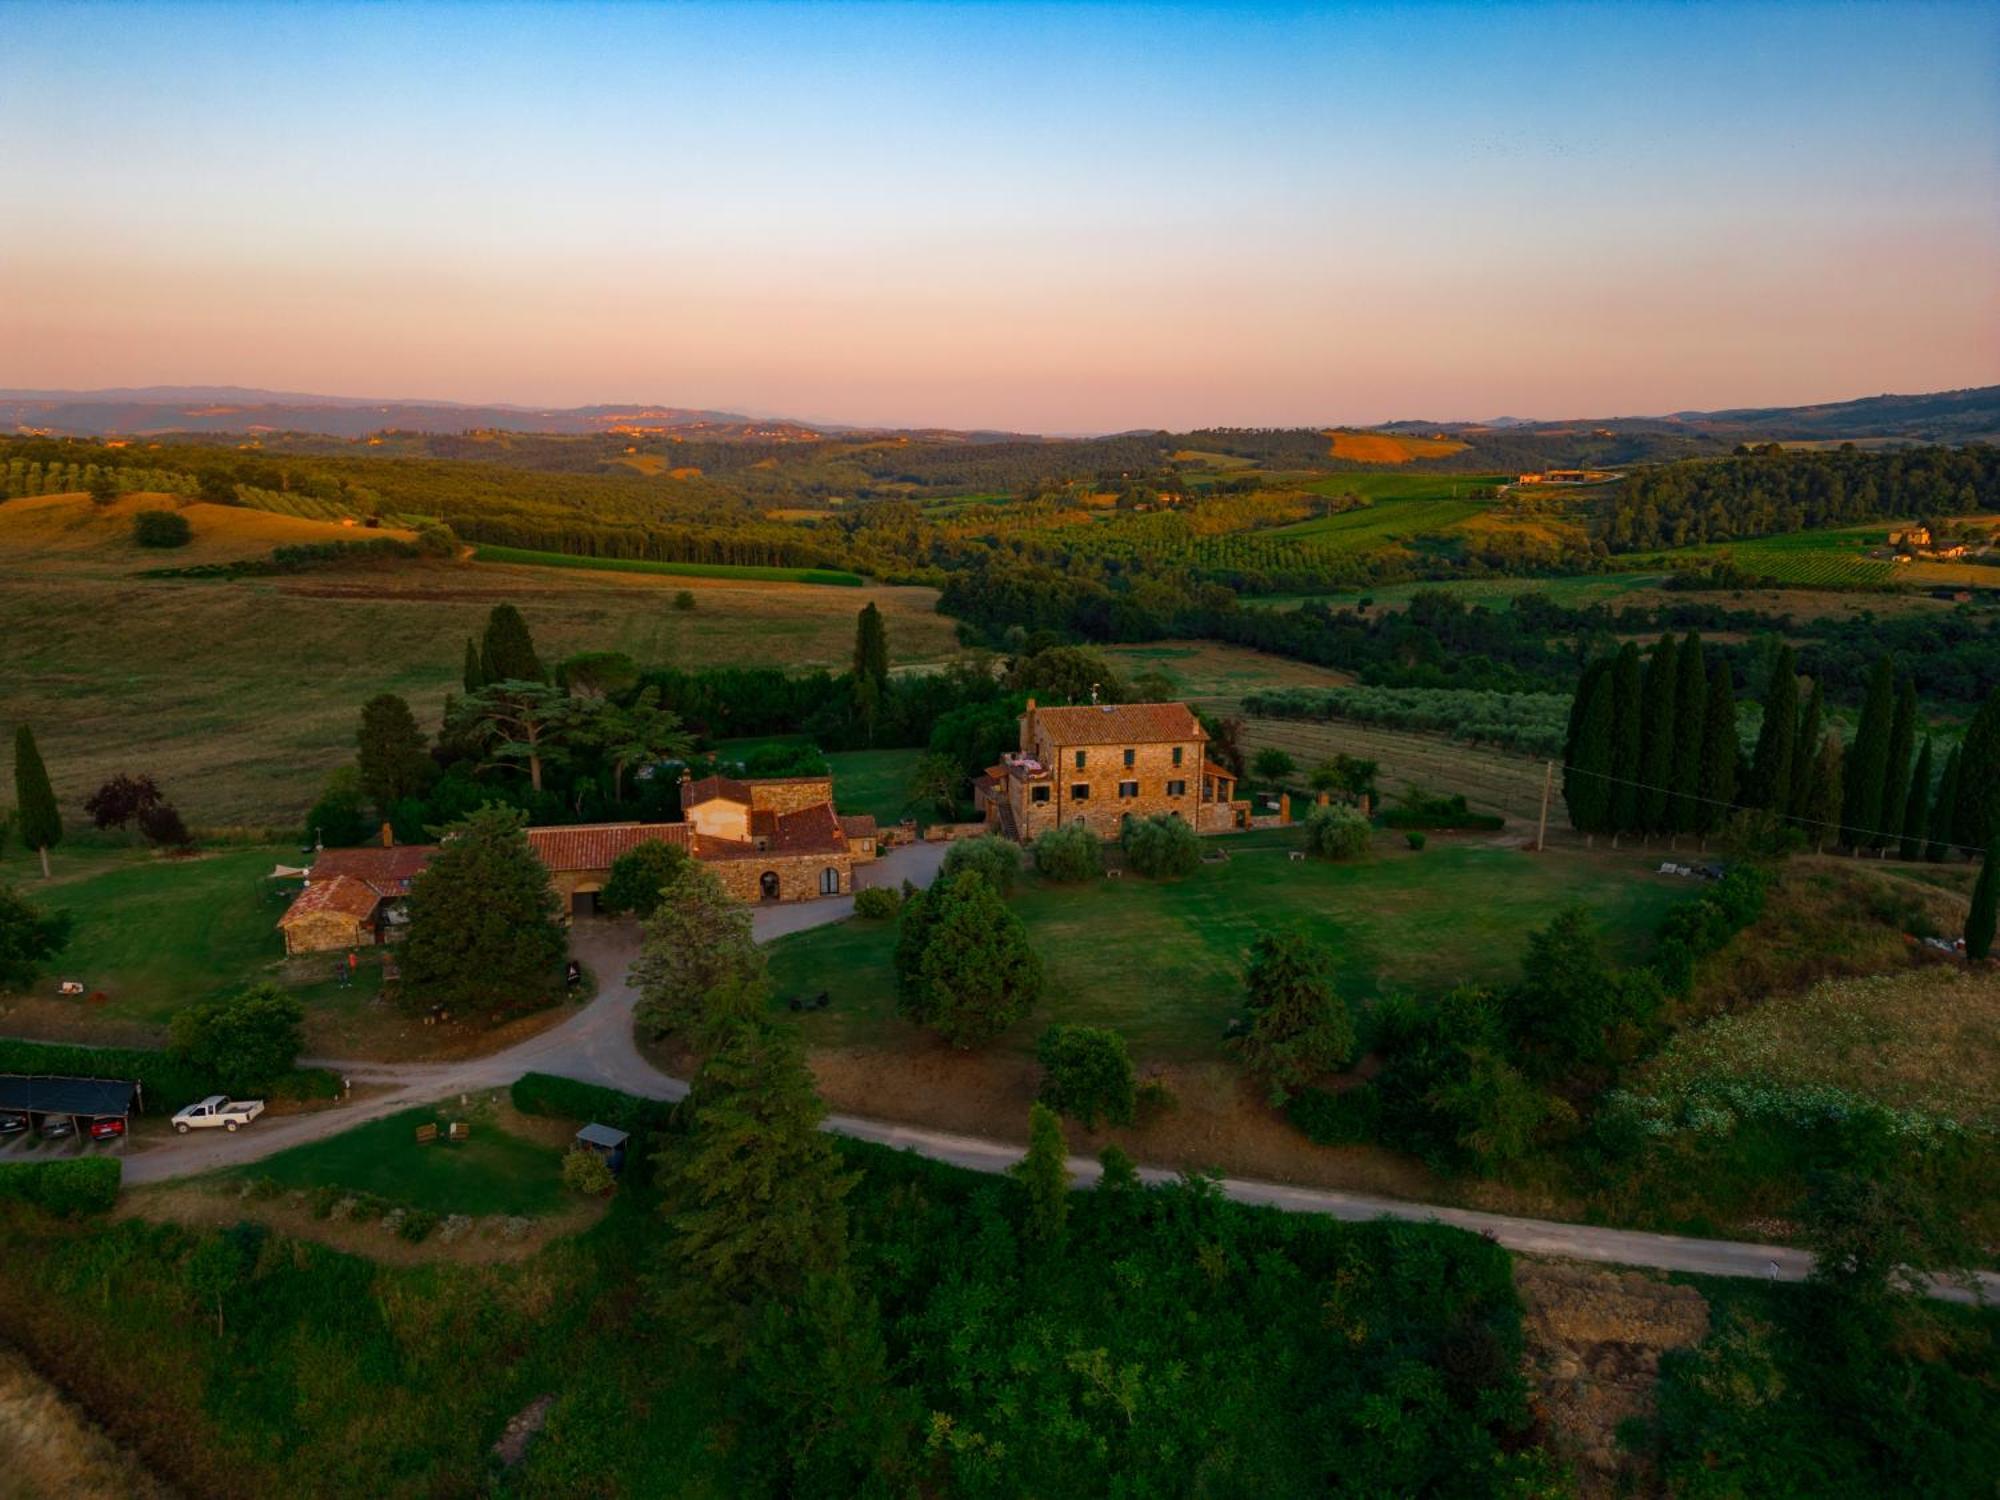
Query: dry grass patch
point(50, 1448)
point(1492, 780)
point(1388, 448)
point(1211, 673)
point(70, 533)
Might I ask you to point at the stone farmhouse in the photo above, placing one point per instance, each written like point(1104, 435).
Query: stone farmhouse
point(767, 840)
point(1095, 763)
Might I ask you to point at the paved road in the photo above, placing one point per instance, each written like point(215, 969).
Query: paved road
point(595, 1046)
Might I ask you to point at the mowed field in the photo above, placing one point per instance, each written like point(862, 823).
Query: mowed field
point(1389, 448)
point(1162, 961)
point(1213, 673)
point(241, 696)
point(1492, 780)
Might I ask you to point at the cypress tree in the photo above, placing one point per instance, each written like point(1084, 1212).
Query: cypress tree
point(1627, 740)
point(1869, 762)
point(507, 654)
point(1976, 818)
point(1896, 775)
point(1979, 919)
point(871, 646)
point(1821, 808)
point(1690, 726)
point(1771, 766)
point(1587, 683)
point(394, 763)
point(1917, 805)
point(1806, 748)
point(1719, 749)
point(37, 818)
point(474, 673)
point(1589, 779)
point(1944, 811)
point(1656, 738)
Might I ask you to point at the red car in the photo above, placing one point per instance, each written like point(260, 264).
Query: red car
point(104, 1130)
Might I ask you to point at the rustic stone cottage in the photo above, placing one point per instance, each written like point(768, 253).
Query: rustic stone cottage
point(1095, 763)
point(776, 838)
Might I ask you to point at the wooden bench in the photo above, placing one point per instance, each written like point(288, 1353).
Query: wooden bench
point(426, 1134)
point(1297, 854)
point(461, 1131)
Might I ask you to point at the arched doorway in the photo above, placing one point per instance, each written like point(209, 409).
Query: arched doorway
point(768, 884)
point(829, 881)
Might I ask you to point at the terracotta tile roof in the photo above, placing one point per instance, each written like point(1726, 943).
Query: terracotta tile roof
point(387, 871)
point(858, 825)
point(810, 830)
point(342, 894)
point(594, 846)
point(1210, 768)
point(1119, 724)
point(714, 789)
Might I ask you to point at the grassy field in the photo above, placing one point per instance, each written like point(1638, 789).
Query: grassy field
point(1579, 591)
point(1389, 448)
point(864, 781)
point(1162, 961)
point(66, 530)
point(494, 1172)
point(1492, 780)
point(525, 557)
point(1210, 672)
point(240, 697)
point(1836, 557)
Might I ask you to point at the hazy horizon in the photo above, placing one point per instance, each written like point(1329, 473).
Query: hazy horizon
point(1043, 219)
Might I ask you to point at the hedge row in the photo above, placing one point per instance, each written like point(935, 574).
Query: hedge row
point(1431, 817)
point(567, 1099)
point(166, 1082)
point(69, 1188)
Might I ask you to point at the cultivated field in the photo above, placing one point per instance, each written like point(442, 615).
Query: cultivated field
point(527, 557)
point(1212, 673)
point(1492, 780)
point(1837, 557)
point(1389, 448)
point(68, 532)
point(241, 696)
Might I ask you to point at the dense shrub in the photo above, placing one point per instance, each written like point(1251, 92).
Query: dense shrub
point(68, 1188)
point(878, 903)
point(568, 1099)
point(247, 1041)
point(1336, 832)
point(1420, 809)
point(1069, 855)
point(1350, 1117)
point(166, 1082)
point(587, 1172)
point(1086, 1073)
point(1695, 928)
point(1160, 847)
point(998, 859)
point(161, 528)
point(637, 877)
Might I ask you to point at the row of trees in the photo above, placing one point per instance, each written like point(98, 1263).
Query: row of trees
point(1652, 747)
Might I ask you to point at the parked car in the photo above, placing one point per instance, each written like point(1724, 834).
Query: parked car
point(13, 1124)
point(218, 1109)
point(107, 1129)
point(57, 1127)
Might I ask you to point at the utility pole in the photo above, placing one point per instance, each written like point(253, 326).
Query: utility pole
point(1548, 785)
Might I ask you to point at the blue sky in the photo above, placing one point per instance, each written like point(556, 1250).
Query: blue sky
point(1061, 218)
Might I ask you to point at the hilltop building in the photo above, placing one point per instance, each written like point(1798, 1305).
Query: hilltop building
point(1095, 763)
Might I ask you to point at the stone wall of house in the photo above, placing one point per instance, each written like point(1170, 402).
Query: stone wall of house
point(327, 932)
point(790, 796)
point(799, 875)
point(1105, 775)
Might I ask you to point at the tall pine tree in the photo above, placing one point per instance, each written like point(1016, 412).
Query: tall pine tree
point(1896, 774)
point(1941, 835)
point(1690, 724)
point(1917, 805)
point(1719, 749)
point(1868, 762)
point(37, 818)
point(1771, 766)
point(1627, 739)
point(1656, 734)
point(871, 647)
point(1806, 747)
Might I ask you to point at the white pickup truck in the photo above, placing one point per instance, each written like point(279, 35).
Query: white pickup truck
point(218, 1109)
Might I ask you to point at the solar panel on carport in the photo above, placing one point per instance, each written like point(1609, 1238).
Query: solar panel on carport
point(97, 1097)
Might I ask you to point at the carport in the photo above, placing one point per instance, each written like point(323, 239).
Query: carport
point(81, 1100)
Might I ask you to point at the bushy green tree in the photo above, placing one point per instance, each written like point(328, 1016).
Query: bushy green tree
point(485, 931)
point(392, 759)
point(1447, 1088)
point(1069, 854)
point(37, 818)
point(1297, 1026)
point(698, 940)
point(1337, 832)
point(515, 721)
point(1162, 847)
point(1067, 674)
point(339, 819)
point(1086, 1074)
point(1043, 1175)
point(1273, 765)
point(1560, 1015)
point(245, 1042)
point(1979, 916)
point(639, 876)
point(1771, 764)
point(994, 857)
point(507, 653)
point(753, 1189)
point(29, 938)
point(963, 961)
point(161, 528)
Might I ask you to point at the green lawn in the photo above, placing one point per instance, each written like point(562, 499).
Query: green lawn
point(1162, 962)
point(873, 781)
point(492, 1173)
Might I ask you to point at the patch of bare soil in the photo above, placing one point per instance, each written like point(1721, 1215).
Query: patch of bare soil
point(382, 1033)
point(1594, 1341)
point(49, 1447)
point(458, 1240)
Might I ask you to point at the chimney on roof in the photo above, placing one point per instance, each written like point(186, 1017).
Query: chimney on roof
point(388, 836)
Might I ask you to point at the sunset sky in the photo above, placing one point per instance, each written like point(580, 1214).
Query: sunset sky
point(1058, 219)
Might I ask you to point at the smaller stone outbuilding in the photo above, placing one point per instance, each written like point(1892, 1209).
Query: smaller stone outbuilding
point(331, 914)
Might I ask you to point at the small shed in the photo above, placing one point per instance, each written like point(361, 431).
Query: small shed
point(81, 1100)
point(605, 1141)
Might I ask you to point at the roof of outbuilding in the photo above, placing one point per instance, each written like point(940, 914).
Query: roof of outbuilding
point(810, 830)
point(595, 1134)
point(596, 846)
point(25, 1094)
point(1120, 724)
point(343, 894)
point(389, 871)
point(858, 825)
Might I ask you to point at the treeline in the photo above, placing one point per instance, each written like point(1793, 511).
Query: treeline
point(1770, 493)
point(1529, 723)
point(21, 477)
point(1653, 748)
